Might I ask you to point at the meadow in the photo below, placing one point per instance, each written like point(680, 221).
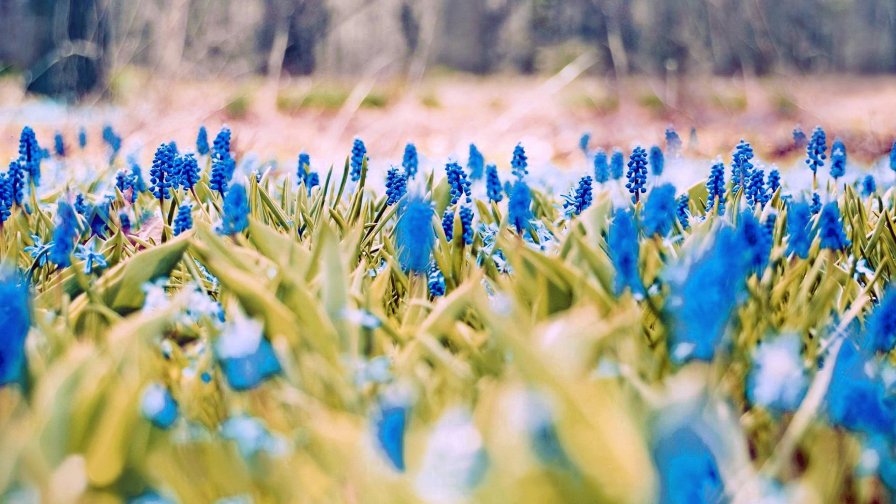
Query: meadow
point(648, 325)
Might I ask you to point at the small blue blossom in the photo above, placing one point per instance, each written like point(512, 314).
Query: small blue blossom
point(774, 182)
point(687, 468)
point(457, 181)
point(202, 141)
point(756, 194)
point(777, 379)
point(622, 241)
point(82, 137)
point(584, 140)
point(414, 234)
point(112, 140)
point(617, 164)
point(93, 260)
point(838, 159)
point(682, 211)
point(815, 206)
point(158, 406)
point(755, 242)
point(137, 176)
point(519, 210)
point(657, 161)
point(830, 228)
point(16, 181)
point(741, 167)
point(577, 202)
point(222, 170)
point(247, 358)
point(64, 235)
point(236, 211)
point(30, 154)
point(160, 175)
point(673, 142)
point(359, 154)
point(799, 229)
point(410, 160)
point(6, 199)
point(815, 150)
point(15, 319)
point(475, 163)
point(601, 166)
point(466, 223)
point(856, 398)
point(184, 220)
point(59, 144)
point(448, 223)
point(869, 186)
point(637, 174)
point(493, 184)
point(221, 145)
point(519, 163)
point(312, 181)
point(303, 167)
point(881, 326)
point(187, 169)
point(715, 186)
point(800, 139)
point(436, 281)
point(893, 157)
point(396, 186)
point(659, 211)
point(389, 425)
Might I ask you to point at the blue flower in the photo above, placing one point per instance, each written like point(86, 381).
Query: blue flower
point(581, 198)
point(774, 182)
point(519, 163)
point(396, 186)
point(741, 166)
point(59, 144)
point(756, 194)
point(15, 319)
point(184, 220)
point(410, 160)
point(137, 177)
point(622, 241)
point(359, 153)
point(493, 184)
point(122, 181)
point(584, 140)
point(16, 181)
point(881, 326)
point(637, 173)
point(82, 137)
point(6, 199)
point(869, 187)
point(893, 157)
point(64, 235)
point(246, 356)
point(221, 145)
point(799, 138)
point(830, 228)
point(857, 398)
point(475, 163)
point(125, 222)
point(222, 170)
point(457, 181)
point(838, 159)
point(601, 166)
point(703, 297)
point(799, 229)
point(673, 141)
point(715, 186)
point(657, 161)
point(160, 175)
point(688, 470)
point(466, 223)
point(815, 207)
point(414, 234)
point(30, 154)
point(187, 169)
point(815, 150)
point(617, 164)
point(519, 210)
point(756, 243)
point(202, 141)
point(436, 281)
point(112, 140)
point(158, 406)
point(448, 223)
point(777, 379)
point(682, 211)
point(390, 423)
point(251, 438)
point(93, 260)
point(304, 166)
point(236, 211)
point(659, 211)
point(313, 180)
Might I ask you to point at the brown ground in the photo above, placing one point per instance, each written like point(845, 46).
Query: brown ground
point(443, 114)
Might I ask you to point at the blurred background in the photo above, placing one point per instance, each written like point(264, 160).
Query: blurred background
point(310, 74)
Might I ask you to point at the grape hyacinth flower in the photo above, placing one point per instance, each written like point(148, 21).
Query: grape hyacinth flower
point(682, 211)
point(457, 180)
point(815, 151)
point(830, 228)
point(838, 159)
point(64, 235)
point(15, 319)
point(673, 142)
point(81, 205)
point(16, 181)
point(715, 186)
point(880, 329)
point(518, 208)
point(584, 140)
point(475, 163)
point(466, 224)
point(799, 229)
point(893, 157)
point(312, 181)
point(741, 166)
point(359, 153)
point(493, 184)
point(137, 176)
point(601, 166)
point(617, 164)
point(869, 187)
point(436, 283)
point(202, 141)
point(222, 170)
point(799, 138)
point(390, 422)
point(6, 200)
point(777, 379)
point(448, 223)
point(30, 154)
point(755, 242)
point(774, 182)
point(246, 357)
point(82, 137)
point(187, 171)
point(687, 467)
point(637, 174)
point(160, 175)
point(112, 140)
point(657, 161)
point(519, 163)
point(414, 234)
point(303, 167)
point(857, 398)
point(158, 406)
point(221, 145)
point(396, 186)
point(59, 144)
point(755, 193)
point(622, 241)
point(93, 260)
point(184, 220)
point(124, 222)
point(815, 207)
point(659, 211)
point(236, 211)
point(581, 198)
point(410, 161)
point(123, 181)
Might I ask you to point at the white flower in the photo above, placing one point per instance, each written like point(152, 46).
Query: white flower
point(240, 337)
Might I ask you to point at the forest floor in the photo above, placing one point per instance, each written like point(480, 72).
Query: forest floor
point(444, 113)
